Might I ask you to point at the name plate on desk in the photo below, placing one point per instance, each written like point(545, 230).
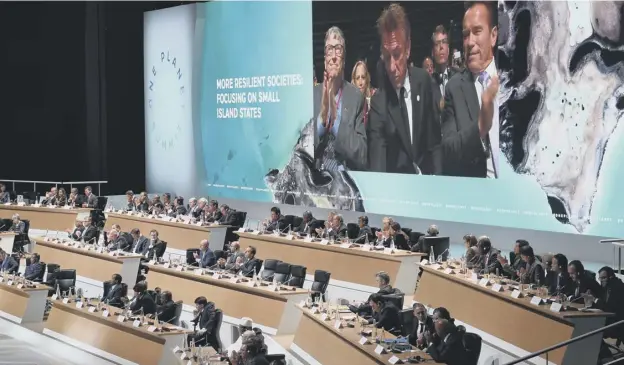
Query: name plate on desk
point(497, 288)
point(536, 300)
point(121, 319)
point(151, 329)
point(198, 224)
point(289, 237)
point(345, 245)
point(199, 272)
point(324, 242)
point(252, 283)
point(484, 282)
point(184, 357)
point(10, 204)
point(177, 349)
point(10, 282)
point(52, 206)
point(388, 251)
point(166, 265)
point(92, 309)
point(152, 262)
point(105, 314)
point(380, 350)
point(474, 277)
point(216, 276)
point(338, 324)
point(65, 300)
point(34, 205)
point(179, 268)
point(556, 307)
point(19, 286)
point(366, 248)
point(241, 230)
point(54, 297)
point(21, 204)
point(395, 360)
point(308, 239)
point(449, 271)
point(435, 267)
point(255, 232)
point(79, 305)
point(136, 323)
point(314, 310)
point(324, 317)
point(112, 253)
point(234, 280)
point(67, 207)
point(363, 341)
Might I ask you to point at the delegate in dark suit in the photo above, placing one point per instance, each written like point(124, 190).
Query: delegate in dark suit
point(449, 350)
point(349, 146)
point(387, 318)
point(363, 233)
point(114, 295)
point(166, 312)
point(120, 243)
point(89, 234)
point(420, 329)
point(145, 301)
point(91, 201)
point(463, 150)
point(305, 227)
point(75, 234)
point(140, 245)
point(157, 247)
point(33, 271)
point(206, 322)
point(207, 258)
point(392, 147)
point(279, 225)
point(229, 220)
point(249, 268)
point(9, 264)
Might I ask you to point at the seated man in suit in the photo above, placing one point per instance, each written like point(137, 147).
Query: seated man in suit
point(90, 231)
point(582, 283)
point(510, 270)
point(276, 222)
point(198, 211)
point(205, 322)
point(76, 233)
point(365, 231)
point(383, 280)
point(228, 216)
point(385, 314)
point(450, 348)
point(50, 197)
point(420, 246)
point(337, 230)
point(7, 263)
point(178, 207)
point(533, 272)
point(422, 324)
point(559, 281)
point(248, 267)
point(18, 226)
point(142, 300)
point(33, 271)
point(116, 241)
point(91, 199)
point(140, 243)
point(488, 259)
point(611, 300)
point(75, 199)
point(235, 253)
point(115, 294)
point(213, 213)
point(306, 224)
point(253, 351)
point(167, 309)
point(156, 247)
point(205, 257)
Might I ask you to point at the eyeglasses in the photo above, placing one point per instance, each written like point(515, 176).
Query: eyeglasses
point(441, 41)
point(337, 50)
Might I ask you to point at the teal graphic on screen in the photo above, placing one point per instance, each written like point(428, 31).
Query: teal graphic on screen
point(256, 92)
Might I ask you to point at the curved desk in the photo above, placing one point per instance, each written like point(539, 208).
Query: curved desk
point(24, 305)
point(178, 235)
point(270, 308)
point(55, 219)
point(514, 320)
point(352, 265)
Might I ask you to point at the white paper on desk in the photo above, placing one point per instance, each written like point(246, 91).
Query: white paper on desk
point(484, 282)
point(536, 300)
point(177, 349)
point(449, 271)
point(497, 288)
point(67, 207)
point(395, 360)
point(556, 307)
point(363, 341)
point(66, 301)
point(79, 305)
point(92, 309)
point(345, 245)
point(136, 323)
point(380, 350)
point(121, 319)
point(324, 242)
point(19, 286)
point(198, 224)
point(241, 230)
point(105, 314)
point(307, 239)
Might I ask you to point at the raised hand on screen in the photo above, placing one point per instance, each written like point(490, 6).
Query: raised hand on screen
point(487, 106)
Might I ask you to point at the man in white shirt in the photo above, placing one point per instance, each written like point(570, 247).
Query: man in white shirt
point(470, 124)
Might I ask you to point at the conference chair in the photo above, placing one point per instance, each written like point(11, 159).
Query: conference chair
point(282, 273)
point(297, 221)
point(317, 224)
point(39, 278)
point(289, 220)
point(297, 276)
point(22, 239)
point(178, 312)
point(276, 359)
point(5, 224)
point(353, 230)
point(259, 266)
point(190, 257)
point(107, 285)
point(406, 316)
point(396, 299)
point(406, 230)
point(320, 283)
point(414, 237)
point(214, 337)
point(472, 344)
point(220, 254)
point(270, 265)
point(65, 279)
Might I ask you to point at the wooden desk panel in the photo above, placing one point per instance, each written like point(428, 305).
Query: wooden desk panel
point(90, 264)
point(330, 346)
point(55, 219)
point(266, 307)
point(497, 313)
point(19, 302)
point(346, 264)
point(106, 334)
point(180, 236)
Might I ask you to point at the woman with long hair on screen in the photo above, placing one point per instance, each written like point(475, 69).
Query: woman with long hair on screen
point(360, 78)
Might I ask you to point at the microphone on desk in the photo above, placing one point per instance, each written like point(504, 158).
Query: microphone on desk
point(440, 256)
point(284, 230)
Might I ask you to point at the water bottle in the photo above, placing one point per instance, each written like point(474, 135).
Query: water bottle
point(431, 256)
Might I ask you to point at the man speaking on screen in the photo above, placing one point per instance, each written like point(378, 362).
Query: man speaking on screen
point(470, 123)
point(403, 135)
point(339, 133)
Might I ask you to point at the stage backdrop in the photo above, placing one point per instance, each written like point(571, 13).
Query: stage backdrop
point(560, 143)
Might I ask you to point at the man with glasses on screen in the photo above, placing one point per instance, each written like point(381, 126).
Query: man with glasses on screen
point(339, 132)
